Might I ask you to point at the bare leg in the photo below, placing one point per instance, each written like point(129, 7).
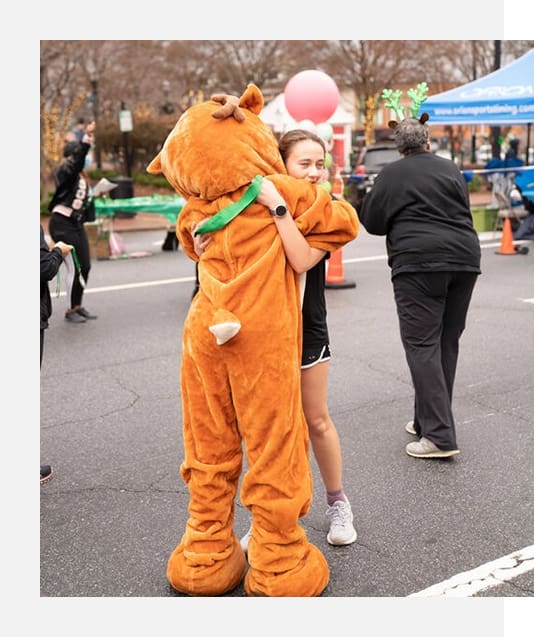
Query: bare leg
point(323, 435)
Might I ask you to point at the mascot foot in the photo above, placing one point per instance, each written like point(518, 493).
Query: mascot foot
point(206, 573)
point(308, 579)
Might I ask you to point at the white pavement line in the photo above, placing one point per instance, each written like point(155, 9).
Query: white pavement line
point(142, 284)
point(485, 576)
point(382, 257)
point(189, 279)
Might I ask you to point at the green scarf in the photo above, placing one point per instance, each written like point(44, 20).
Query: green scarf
point(226, 215)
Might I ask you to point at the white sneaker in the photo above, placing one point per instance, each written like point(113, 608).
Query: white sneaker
point(409, 428)
point(246, 539)
point(341, 529)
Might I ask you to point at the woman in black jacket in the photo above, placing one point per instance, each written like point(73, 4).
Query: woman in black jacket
point(421, 204)
point(50, 262)
point(71, 206)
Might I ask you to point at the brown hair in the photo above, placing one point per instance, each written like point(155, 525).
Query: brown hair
point(292, 137)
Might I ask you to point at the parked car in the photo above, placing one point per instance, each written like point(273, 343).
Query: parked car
point(375, 156)
point(443, 152)
point(370, 161)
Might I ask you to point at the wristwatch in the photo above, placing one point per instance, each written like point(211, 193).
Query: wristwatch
point(278, 211)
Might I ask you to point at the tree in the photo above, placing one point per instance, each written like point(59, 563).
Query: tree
point(159, 79)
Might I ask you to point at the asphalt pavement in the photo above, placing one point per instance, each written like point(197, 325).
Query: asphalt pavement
point(111, 428)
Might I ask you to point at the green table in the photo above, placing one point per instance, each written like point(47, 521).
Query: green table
point(167, 205)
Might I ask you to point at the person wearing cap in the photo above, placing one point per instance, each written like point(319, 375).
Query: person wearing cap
point(421, 204)
point(71, 206)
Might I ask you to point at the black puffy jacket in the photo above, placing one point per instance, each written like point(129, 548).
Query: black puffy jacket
point(50, 262)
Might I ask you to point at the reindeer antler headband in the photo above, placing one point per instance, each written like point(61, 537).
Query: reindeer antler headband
point(418, 96)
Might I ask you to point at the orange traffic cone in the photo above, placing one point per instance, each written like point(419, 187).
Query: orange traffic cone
point(337, 184)
point(507, 243)
point(334, 272)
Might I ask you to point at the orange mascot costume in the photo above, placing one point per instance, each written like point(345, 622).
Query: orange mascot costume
point(240, 368)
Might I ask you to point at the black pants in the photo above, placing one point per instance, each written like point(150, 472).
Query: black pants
point(69, 230)
point(526, 228)
point(432, 309)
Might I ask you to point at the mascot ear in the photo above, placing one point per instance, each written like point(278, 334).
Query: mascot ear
point(393, 124)
point(252, 99)
point(424, 118)
point(154, 168)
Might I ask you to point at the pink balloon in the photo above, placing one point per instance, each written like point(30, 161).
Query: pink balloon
point(311, 95)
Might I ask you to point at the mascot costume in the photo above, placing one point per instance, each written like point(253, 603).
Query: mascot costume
point(240, 368)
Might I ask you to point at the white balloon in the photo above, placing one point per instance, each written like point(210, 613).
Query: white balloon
point(307, 124)
point(325, 131)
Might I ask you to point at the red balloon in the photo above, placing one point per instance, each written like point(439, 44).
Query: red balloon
point(311, 95)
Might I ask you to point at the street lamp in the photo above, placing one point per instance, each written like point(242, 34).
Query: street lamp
point(495, 131)
point(473, 128)
point(94, 104)
point(126, 126)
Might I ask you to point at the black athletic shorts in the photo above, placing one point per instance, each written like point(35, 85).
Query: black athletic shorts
point(311, 357)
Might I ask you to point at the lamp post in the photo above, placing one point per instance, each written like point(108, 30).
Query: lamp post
point(473, 128)
point(94, 104)
point(126, 126)
point(495, 131)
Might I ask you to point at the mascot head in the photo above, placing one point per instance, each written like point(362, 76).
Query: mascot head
point(218, 147)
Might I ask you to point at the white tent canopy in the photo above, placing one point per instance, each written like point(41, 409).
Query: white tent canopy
point(275, 114)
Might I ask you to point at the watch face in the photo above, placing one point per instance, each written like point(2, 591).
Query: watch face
point(280, 211)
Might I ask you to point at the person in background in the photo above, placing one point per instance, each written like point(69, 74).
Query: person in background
point(71, 206)
point(524, 181)
point(513, 152)
point(303, 153)
point(421, 204)
point(50, 262)
point(79, 130)
point(170, 243)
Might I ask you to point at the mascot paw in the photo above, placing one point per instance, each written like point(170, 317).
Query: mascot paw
point(308, 578)
point(206, 574)
point(225, 326)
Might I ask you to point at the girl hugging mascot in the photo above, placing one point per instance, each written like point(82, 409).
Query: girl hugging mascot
point(240, 368)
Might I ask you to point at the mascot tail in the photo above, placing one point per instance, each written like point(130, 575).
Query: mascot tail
point(225, 326)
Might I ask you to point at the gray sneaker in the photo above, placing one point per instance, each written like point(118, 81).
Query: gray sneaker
point(425, 448)
point(341, 530)
point(410, 428)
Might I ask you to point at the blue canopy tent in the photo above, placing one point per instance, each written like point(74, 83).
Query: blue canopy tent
point(504, 97)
